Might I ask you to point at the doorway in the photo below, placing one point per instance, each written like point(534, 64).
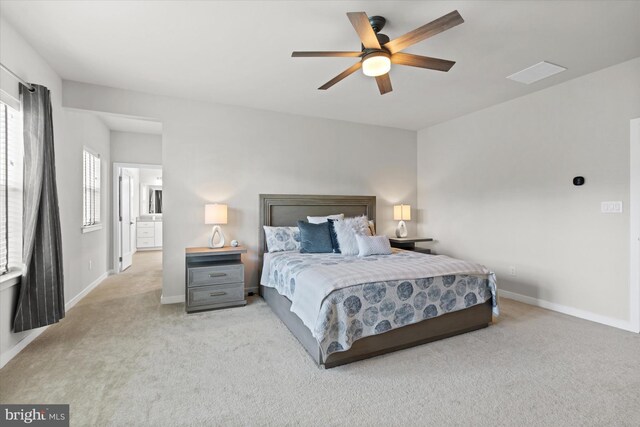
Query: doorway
point(137, 213)
point(634, 225)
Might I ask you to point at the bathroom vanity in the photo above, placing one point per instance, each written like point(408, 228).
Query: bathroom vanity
point(149, 232)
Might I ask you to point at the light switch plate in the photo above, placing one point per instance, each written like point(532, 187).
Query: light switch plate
point(611, 207)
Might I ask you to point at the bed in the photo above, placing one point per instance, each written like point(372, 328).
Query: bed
point(364, 307)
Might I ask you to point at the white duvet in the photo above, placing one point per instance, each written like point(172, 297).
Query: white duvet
point(314, 281)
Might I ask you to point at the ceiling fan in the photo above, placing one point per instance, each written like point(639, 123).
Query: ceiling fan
point(378, 52)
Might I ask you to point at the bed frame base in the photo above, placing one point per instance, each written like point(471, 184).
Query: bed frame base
point(437, 328)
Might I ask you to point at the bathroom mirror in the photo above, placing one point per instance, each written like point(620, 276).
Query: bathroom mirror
point(155, 199)
point(151, 200)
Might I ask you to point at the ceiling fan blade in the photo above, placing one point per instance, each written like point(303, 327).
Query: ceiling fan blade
point(384, 83)
point(360, 22)
point(421, 61)
point(355, 67)
point(428, 30)
point(323, 54)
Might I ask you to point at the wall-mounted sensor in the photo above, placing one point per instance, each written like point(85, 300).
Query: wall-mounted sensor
point(578, 180)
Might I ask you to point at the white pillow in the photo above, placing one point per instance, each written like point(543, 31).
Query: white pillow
point(281, 239)
point(321, 219)
point(346, 231)
point(373, 245)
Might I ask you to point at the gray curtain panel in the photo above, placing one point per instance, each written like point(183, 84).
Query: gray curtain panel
point(41, 297)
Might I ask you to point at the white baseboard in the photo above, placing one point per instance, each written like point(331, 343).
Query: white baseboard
point(175, 299)
point(85, 291)
point(571, 311)
point(13, 351)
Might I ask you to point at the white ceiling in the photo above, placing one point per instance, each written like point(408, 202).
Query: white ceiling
point(131, 124)
point(238, 53)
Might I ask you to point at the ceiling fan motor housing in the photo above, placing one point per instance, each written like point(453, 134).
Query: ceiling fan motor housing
point(377, 23)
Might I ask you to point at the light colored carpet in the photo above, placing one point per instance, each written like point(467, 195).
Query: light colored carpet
point(120, 358)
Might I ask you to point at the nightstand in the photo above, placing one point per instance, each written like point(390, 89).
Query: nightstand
point(214, 278)
point(409, 243)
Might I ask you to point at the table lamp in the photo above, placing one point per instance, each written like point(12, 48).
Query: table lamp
point(401, 213)
point(215, 214)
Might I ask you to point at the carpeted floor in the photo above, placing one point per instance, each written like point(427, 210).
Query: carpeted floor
point(120, 358)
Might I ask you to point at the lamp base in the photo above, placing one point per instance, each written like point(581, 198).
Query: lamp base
point(220, 243)
point(401, 230)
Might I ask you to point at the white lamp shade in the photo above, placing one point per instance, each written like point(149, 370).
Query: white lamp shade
point(402, 213)
point(215, 214)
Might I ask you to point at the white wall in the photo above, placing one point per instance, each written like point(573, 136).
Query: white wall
point(80, 249)
point(634, 213)
point(215, 153)
point(72, 130)
point(495, 186)
point(131, 147)
point(150, 176)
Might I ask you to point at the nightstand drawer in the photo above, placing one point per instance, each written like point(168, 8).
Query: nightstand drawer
point(206, 295)
point(145, 224)
point(216, 275)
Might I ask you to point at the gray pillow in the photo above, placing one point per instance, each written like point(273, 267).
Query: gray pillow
point(314, 238)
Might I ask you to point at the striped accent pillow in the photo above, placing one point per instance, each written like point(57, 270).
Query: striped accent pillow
point(373, 245)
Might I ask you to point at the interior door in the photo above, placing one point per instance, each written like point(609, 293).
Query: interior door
point(126, 222)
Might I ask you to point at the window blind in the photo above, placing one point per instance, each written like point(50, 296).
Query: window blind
point(91, 188)
point(11, 163)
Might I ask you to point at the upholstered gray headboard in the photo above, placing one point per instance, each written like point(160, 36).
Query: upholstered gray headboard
point(281, 210)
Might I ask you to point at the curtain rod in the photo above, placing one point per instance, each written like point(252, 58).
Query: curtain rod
point(26, 83)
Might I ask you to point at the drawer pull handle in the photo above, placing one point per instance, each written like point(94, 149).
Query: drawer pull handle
point(217, 294)
point(217, 274)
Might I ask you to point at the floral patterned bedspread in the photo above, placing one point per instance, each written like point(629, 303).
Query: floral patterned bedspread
point(353, 312)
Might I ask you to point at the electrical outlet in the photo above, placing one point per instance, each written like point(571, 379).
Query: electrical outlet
point(512, 270)
point(611, 207)
point(90, 265)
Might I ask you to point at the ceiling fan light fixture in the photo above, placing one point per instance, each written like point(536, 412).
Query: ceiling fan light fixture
point(377, 50)
point(376, 64)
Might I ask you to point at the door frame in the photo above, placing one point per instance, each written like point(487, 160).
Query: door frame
point(124, 172)
point(115, 205)
point(634, 225)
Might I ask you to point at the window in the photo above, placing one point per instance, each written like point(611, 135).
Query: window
point(91, 190)
point(10, 188)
